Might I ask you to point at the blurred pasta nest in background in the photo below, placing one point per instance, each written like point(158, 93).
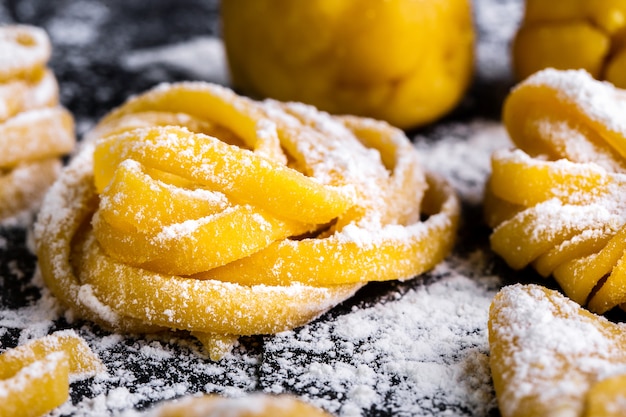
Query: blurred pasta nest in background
point(573, 34)
point(403, 61)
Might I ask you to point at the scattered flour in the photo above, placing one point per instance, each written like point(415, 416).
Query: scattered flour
point(79, 24)
point(414, 353)
point(462, 154)
point(496, 22)
point(202, 58)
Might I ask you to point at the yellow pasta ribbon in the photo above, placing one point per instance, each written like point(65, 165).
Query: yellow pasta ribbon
point(573, 34)
point(256, 405)
point(35, 130)
point(210, 162)
point(35, 377)
point(557, 202)
point(192, 208)
point(392, 253)
point(28, 49)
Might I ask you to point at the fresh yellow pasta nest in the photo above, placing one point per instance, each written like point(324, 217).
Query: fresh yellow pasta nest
point(557, 201)
point(404, 61)
point(573, 34)
point(34, 129)
point(192, 208)
point(251, 405)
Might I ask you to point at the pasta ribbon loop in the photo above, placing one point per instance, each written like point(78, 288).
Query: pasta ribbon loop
point(557, 201)
point(192, 208)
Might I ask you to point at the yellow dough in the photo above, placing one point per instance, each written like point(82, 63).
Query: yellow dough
point(556, 203)
point(551, 357)
point(192, 208)
point(35, 131)
point(35, 377)
point(251, 405)
point(573, 34)
point(407, 62)
point(25, 52)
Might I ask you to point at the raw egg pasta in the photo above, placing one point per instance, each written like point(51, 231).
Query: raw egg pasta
point(557, 201)
point(35, 377)
point(192, 208)
point(577, 34)
point(34, 129)
point(550, 356)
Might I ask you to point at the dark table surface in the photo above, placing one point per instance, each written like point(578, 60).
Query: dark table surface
point(105, 51)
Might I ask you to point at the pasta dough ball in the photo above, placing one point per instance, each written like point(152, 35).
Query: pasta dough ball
point(35, 129)
point(404, 61)
point(573, 34)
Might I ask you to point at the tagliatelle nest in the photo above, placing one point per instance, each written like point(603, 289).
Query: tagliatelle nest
point(192, 208)
point(35, 130)
point(557, 202)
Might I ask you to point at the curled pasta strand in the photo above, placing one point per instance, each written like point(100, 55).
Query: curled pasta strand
point(238, 172)
point(395, 252)
point(192, 208)
point(35, 130)
point(25, 51)
point(35, 377)
point(557, 202)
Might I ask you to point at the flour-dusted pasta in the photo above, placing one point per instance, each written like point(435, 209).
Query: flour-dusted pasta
point(35, 130)
point(557, 201)
point(192, 208)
